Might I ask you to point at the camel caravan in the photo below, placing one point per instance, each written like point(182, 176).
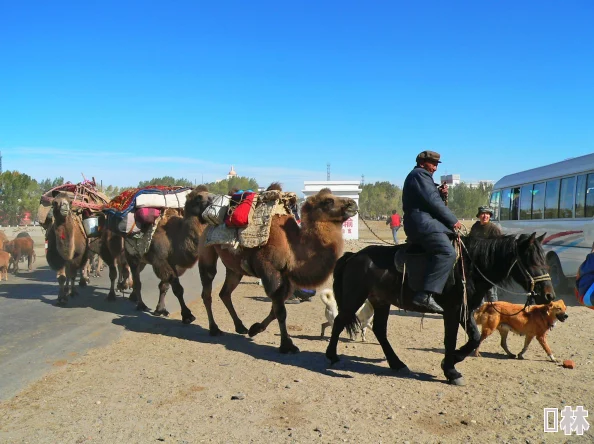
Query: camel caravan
point(173, 228)
point(258, 235)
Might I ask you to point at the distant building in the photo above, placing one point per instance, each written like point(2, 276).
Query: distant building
point(450, 179)
point(478, 183)
point(231, 174)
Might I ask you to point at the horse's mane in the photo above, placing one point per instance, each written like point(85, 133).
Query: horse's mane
point(495, 253)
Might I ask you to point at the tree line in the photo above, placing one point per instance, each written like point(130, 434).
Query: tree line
point(19, 194)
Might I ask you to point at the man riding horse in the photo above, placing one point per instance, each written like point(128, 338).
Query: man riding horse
point(428, 222)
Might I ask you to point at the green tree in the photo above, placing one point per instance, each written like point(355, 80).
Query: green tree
point(19, 193)
point(464, 200)
point(48, 184)
point(379, 199)
point(238, 182)
point(167, 181)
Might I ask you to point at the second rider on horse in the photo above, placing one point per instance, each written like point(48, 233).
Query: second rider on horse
point(428, 222)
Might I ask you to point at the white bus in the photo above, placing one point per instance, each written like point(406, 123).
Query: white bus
point(557, 199)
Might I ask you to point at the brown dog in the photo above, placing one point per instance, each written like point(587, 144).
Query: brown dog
point(533, 322)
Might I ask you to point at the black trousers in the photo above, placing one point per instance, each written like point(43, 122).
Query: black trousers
point(441, 257)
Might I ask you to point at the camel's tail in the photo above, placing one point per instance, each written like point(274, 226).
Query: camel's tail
point(352, 323)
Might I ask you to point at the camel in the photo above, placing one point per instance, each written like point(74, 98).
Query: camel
point(173, 250)
point(20, 247)
point(4, 262)
point(67, 248)
point(293, 256)
point(3, 238)
point(112, 253)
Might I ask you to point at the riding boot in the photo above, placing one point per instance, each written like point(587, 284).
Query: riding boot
point(425, 300)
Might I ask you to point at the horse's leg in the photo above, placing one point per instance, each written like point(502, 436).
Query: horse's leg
point(232, 280)
point(161, 310)
point(474, 339)
point(380, 329)
point(178, 291)
point(451, 323)
point(337, 328)
point(207, 266)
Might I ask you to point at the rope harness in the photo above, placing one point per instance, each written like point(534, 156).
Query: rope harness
point(373, 232)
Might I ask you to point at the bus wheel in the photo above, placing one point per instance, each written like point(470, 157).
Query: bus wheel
point(557, 277)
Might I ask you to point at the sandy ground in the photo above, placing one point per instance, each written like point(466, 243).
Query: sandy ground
point(168, 382)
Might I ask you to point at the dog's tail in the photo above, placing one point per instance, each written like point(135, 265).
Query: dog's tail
point(352, 323)
point(327, 297)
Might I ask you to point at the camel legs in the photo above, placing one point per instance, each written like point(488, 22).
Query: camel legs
point(113, 275)
point(278, 288)
point(178, 291)
point(136, 268)
point(62, 282)
point(207, 266)
point(232, 280)
point(163, 289)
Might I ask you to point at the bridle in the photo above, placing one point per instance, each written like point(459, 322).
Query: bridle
point(517, 262)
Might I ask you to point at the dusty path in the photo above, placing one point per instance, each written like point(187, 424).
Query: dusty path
point(167, 382)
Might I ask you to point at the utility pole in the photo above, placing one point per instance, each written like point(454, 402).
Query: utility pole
point(362, 180)
point(328, 172)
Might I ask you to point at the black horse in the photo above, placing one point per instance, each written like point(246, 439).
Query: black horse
point(371, 273)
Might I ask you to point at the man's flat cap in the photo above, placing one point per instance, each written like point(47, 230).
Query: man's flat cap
point(428, 155)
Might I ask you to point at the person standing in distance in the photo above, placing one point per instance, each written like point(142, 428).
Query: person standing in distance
point(394, 222)
point(428, 222)
point(485, 229)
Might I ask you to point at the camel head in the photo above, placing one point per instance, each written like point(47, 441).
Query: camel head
point(61, 207)
point(9, 246)
point(326, 207)
point(197, 201)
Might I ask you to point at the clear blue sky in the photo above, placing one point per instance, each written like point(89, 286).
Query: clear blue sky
point(126, 91)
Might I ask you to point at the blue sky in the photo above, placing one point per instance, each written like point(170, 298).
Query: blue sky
point(126, 91)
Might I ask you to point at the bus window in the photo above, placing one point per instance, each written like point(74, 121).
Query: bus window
point(552, 200)
point(526, 202)
point(515, 204)
point(590, 196)
point(538, 194)
point(494, 203)
point(580, 196)
point(566, 197)
point(505, 204)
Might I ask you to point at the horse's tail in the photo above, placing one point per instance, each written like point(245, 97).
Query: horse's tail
point(352, 323)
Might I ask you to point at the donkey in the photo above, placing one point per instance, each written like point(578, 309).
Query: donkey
point(371, 274)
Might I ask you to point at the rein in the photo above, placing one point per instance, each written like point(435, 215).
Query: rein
point(523, 270)
point(373, 232)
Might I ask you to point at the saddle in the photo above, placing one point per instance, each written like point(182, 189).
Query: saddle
point(411, 259)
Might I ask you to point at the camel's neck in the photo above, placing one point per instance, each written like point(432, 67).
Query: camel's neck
point(193, 228)
point(316, 253)
point(64, 229)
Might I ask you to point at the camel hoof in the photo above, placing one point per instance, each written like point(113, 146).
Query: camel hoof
point(61, 303)
point(288, 349)
point(255, 329)
point(83, 283)
point(133, 297)
point(460, 382)
point(141, 306)
point(241, 329)
point(163, 312)
point(215, 331)
point(111, 297)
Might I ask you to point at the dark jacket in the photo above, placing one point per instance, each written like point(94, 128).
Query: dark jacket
point(424, 211)
point(485, 231)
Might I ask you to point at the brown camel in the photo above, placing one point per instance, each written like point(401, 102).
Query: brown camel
point(173, 250)
point(4, 262)
point(112, 253)
point(20, 247)
point(3, 238)
point(69, 243)
point(293, 256)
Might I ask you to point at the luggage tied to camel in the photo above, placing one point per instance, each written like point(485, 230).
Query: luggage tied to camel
point(86, 203)
point(264, 207)
point(135, 209)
